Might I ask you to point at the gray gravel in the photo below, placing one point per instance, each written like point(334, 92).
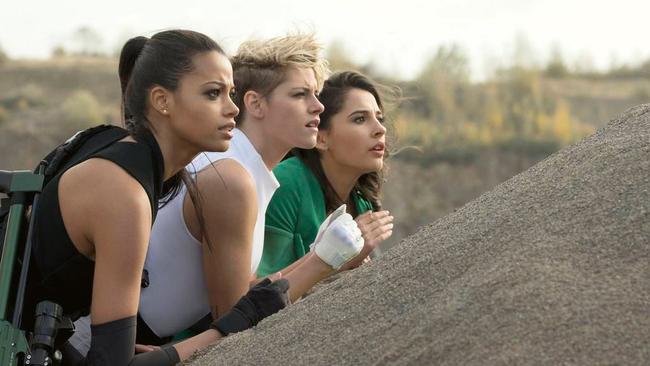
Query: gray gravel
point(551, 267)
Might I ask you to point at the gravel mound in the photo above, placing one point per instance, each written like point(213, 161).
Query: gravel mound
point(551, 267)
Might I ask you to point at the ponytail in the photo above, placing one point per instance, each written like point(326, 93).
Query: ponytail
point(160, 60)
point(129, 55)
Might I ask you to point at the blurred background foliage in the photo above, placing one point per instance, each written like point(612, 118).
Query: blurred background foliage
point(456, 137)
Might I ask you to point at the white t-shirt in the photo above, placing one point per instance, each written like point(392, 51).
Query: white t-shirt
point(177, 296)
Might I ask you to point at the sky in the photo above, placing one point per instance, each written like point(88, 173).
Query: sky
point(396, 37)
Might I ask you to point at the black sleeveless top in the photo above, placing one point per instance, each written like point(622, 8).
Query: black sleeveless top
point(62, 274)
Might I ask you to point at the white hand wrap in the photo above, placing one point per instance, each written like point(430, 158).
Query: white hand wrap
point(339, 239)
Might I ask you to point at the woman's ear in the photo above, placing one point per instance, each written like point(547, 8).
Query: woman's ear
point(255, 104)
point(321, 140)
point(161, 99)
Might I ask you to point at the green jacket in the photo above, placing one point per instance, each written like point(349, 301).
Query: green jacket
point(294, 215)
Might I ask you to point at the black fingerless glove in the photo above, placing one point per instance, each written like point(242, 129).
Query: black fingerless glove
point(265, 299)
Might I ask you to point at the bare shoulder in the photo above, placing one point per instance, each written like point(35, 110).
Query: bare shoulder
point(110, 215)
point(106, 182)
point(226, 176)
point(97, 195)
point(228, 196)
point(226, 182)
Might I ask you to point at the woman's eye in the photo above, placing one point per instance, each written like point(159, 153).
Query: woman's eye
point(233, 93)
point(298, 95)
point(359, 119)
point(381, 119)
point(213, 94)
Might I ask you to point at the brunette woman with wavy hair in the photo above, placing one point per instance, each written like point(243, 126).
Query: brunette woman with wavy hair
point(345, 167)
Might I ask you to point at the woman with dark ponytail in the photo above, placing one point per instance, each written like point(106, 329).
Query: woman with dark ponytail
point(201, 272)
point(345, 167)
point(92, 227)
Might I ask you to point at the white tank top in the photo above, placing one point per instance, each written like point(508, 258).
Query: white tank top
point(177, 296)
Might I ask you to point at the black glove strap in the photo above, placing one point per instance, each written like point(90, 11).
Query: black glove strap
point(237, 320)
point(262, 300)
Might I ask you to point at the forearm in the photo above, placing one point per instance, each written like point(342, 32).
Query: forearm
point(226, 269)
point(112, 344)
point(304, 274)
point(187, 347)
point(295, 264)
point(264, 299)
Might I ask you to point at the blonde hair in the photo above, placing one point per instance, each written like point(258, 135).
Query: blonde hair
point(261, 65)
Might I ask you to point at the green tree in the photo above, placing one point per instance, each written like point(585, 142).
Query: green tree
point(444, 84)
point(88, 42)
point(556, 67)
point(521, 99)
point(58, 51)
point(450, 61)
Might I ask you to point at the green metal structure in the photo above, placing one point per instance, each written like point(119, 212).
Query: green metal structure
point(22, 189)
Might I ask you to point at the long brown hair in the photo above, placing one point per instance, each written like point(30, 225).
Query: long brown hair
point(335, 90)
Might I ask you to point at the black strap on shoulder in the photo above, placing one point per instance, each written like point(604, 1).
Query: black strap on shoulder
point(101, 136)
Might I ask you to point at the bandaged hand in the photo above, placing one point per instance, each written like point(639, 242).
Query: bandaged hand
point(375, 228)
point(338, 240)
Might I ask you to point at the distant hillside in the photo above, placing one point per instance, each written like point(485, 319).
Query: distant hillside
point(466, 132)
point(44, 102)
point(61, 76)
point(598, 101)
point(33, 95)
